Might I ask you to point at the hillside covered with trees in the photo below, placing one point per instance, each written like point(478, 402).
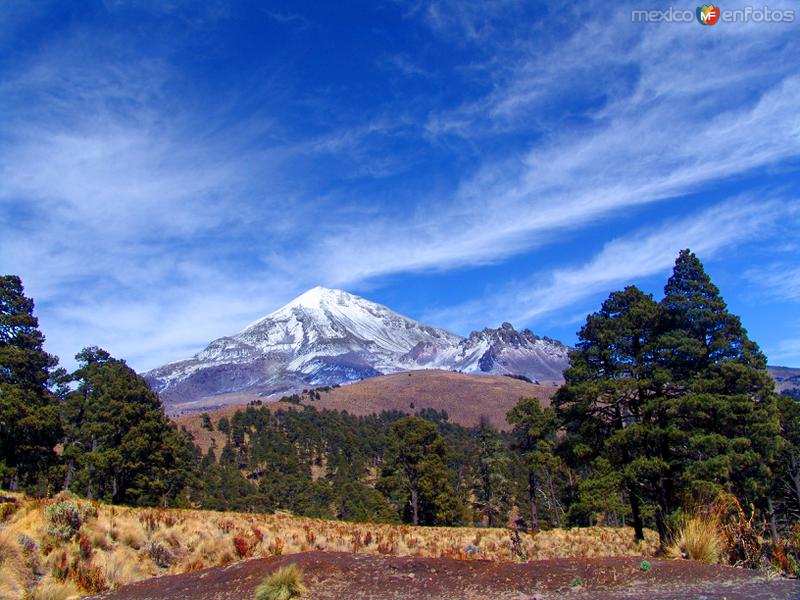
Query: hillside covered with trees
point(667, 404)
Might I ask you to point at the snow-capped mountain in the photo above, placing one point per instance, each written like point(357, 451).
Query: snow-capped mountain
point(508, 351)
point(327, 336)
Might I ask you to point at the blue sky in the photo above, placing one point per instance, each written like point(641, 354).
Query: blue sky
point(170, 171)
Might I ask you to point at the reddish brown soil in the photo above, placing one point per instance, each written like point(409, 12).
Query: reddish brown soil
point(335, 575)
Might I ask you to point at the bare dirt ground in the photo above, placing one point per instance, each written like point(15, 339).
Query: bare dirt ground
point(338, 575)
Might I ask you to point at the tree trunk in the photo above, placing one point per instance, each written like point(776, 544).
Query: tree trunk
point(661, 526)
point(796, 481)
point(532, 496)
point(70, 474)
point(14, 483)
point(773, 527)
point(636, 514)
point(554, 499)
point(415, 506)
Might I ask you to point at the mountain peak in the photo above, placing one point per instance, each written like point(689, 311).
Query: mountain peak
point(328, 336)
point(317, 297)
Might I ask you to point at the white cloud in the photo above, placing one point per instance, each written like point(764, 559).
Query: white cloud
point(778, 280)
point(620, 262)
point(150, 226)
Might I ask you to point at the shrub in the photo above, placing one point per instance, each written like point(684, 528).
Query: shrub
point(65, 517)
point(576, 583)
point(284, 584)
point(276, 547)
point(90, 579)
point(27, 543)
point(7, 509)
point(160, 554)
point(84, 547)
point(741, 537)
point(244, 546)
point(720, 532)
point(645, 566)
point(60, 568)
point(63, 520)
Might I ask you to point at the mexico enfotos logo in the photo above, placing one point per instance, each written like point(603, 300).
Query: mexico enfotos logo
point(711, 14)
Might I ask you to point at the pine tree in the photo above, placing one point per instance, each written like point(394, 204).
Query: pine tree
point(118, 444)
point(416, 474)
point(534, 437)
point(608, 384)
point(675, 396)
point(493, 486)
point(29, 425)
point(715, 421)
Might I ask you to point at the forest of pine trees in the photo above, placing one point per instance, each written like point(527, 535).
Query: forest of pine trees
point(666, 404)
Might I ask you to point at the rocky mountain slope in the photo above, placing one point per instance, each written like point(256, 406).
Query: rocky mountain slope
point(786, 378)
point(326, 337)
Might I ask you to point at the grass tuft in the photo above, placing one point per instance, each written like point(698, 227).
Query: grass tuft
point(284, 584)
point(698, 538)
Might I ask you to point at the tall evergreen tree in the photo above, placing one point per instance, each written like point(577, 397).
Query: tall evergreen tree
point(416, 474)
point(118, 444)
point(534, 437)
point(676, 396)
point(29, 425)
point(492, 482)
point(607, 385)
point(715, 421)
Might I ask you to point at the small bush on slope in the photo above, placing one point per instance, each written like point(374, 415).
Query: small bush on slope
point(284, 584)
point(66, 516)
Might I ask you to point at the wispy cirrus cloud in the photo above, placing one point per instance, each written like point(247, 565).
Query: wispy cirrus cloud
point(623, 260)
point(780, 280)
point(150, 213)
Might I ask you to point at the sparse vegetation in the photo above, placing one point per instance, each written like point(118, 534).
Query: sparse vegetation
point(284, 584)
point(116, 545)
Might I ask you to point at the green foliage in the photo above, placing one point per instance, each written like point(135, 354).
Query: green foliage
point(534, 438)
point(599, 495)
point(29, 425)
point(223, 425)
point(673, 395)
point(284, 584)
point(205, 422)
point(118, 444)
point(493, 491)
point(665, 403)
point(416, 475)
point(645, 566)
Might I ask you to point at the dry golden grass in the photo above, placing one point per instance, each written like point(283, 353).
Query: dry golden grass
point(698, 538)
point(14, 574)
point(49, 589)
point(122, 545)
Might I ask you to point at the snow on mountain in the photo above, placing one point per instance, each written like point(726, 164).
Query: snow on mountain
point(328, 336)
point(508, 351)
